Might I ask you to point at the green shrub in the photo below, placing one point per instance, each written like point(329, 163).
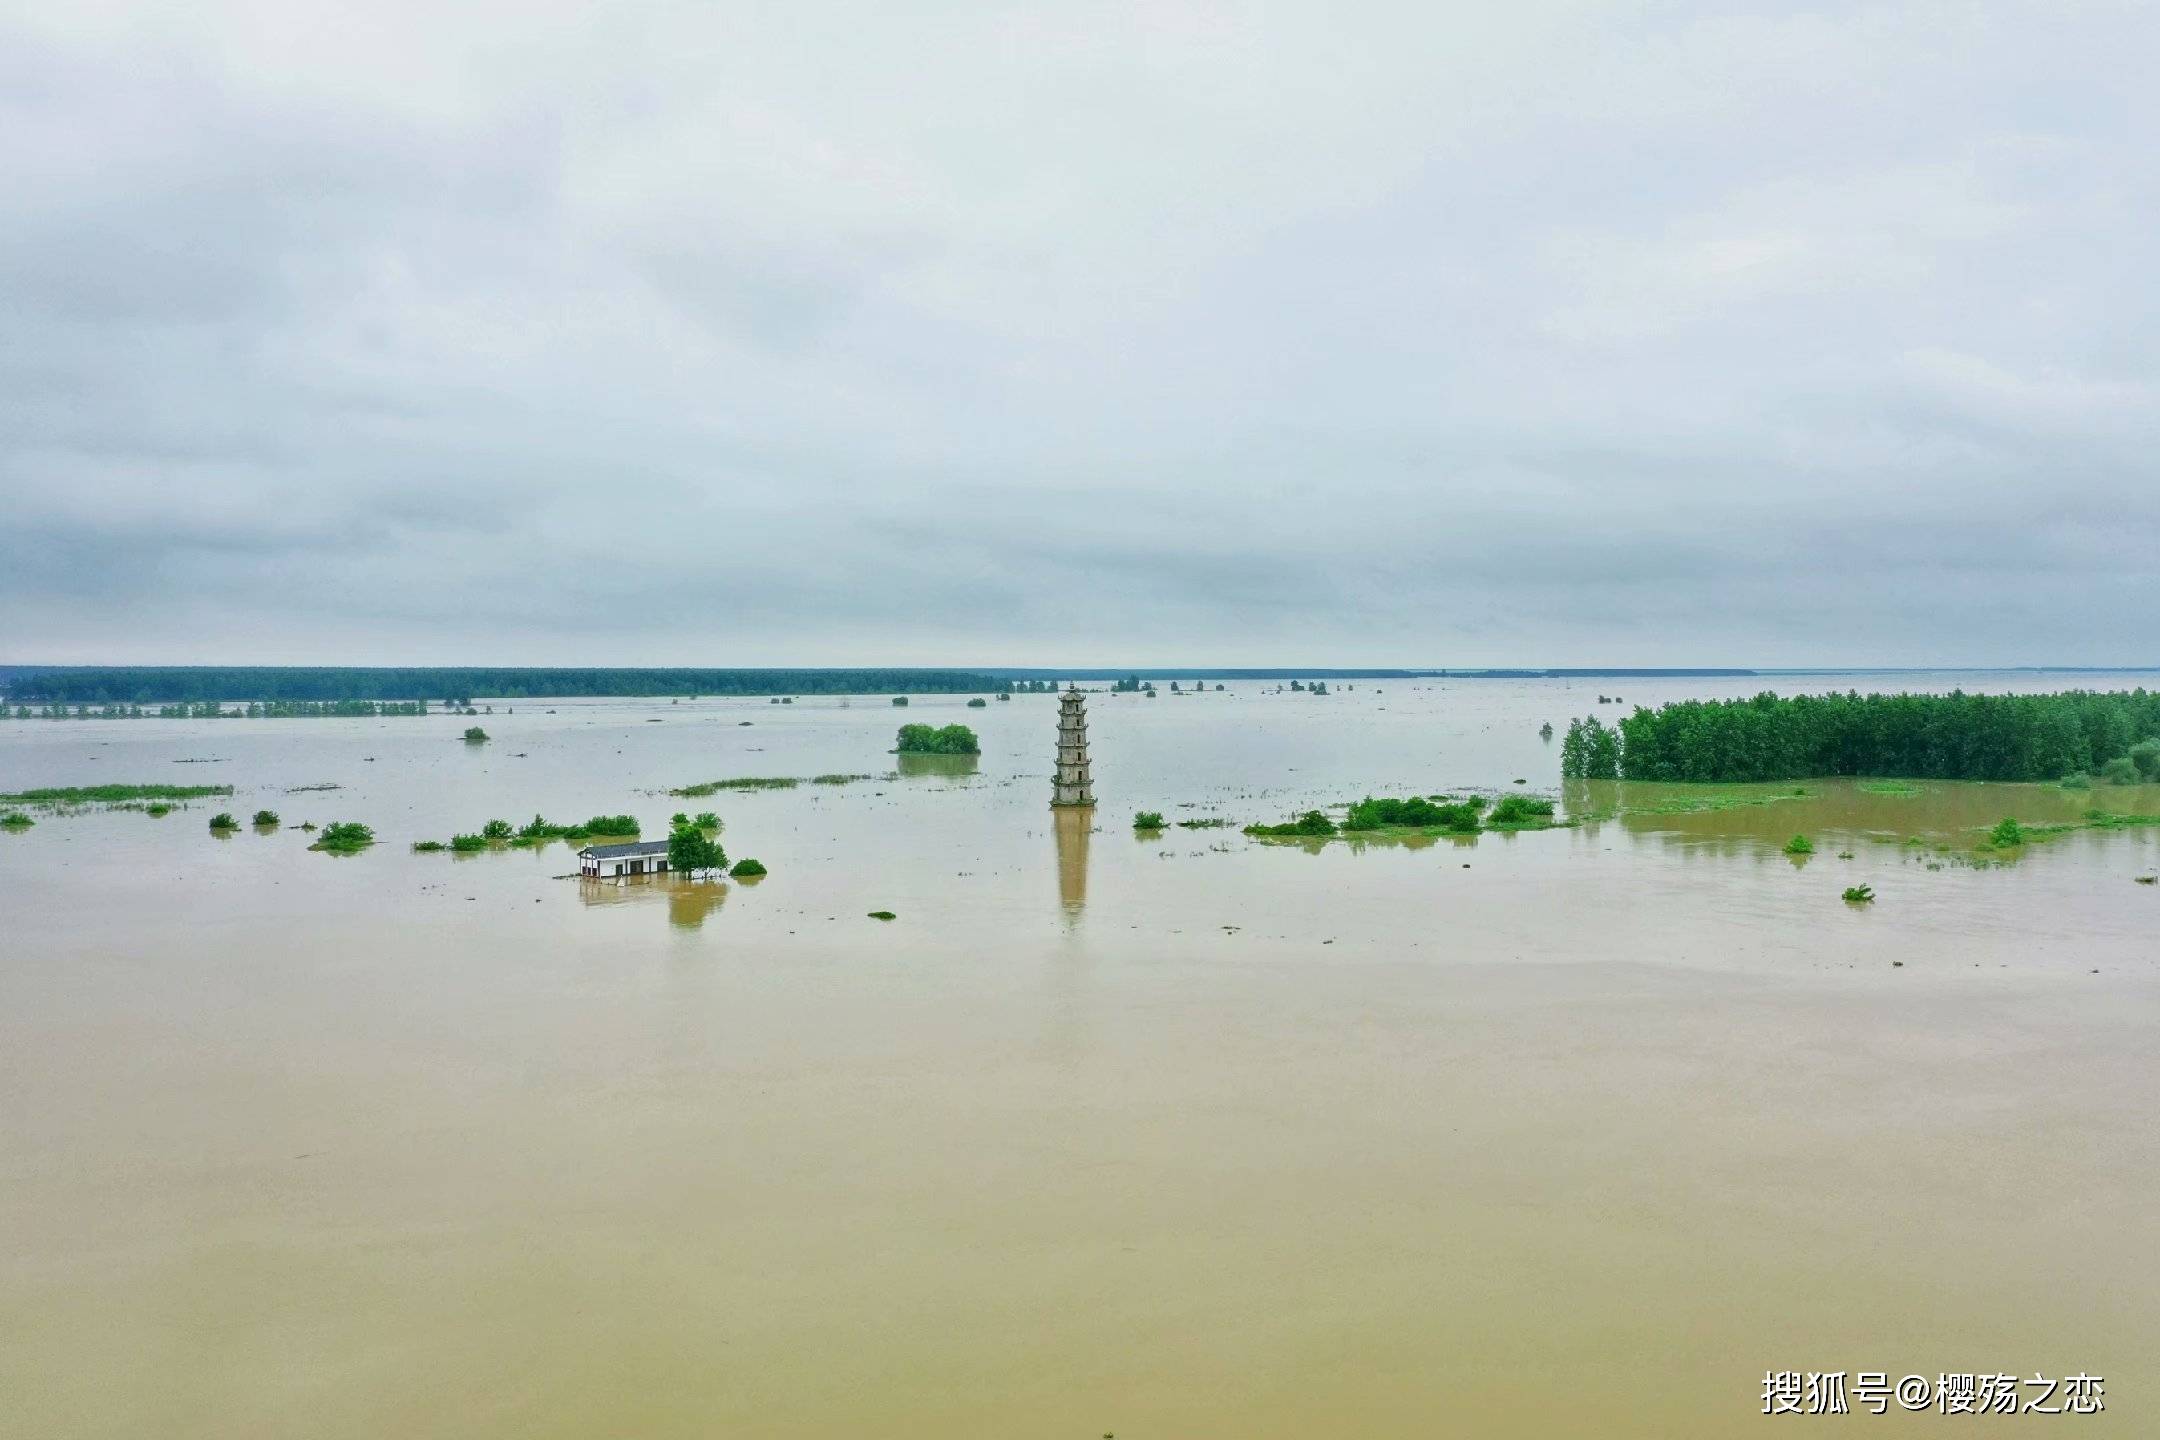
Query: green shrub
point(467, 844)
point(2076, 780)
point(706, 820)
point(497, 830)
point(2146, 756)
point(610, 825)
point(1312, 824)
point(1460, 816)
point(1859, 894)
point(474, 734)
point(883, 915)
point(1521, 810)
point(428, 847)
point(2006, 833)
point(2122, 770)
point(344, 837)
point(1148, 820)
point(15, 820)
point(1799, 845)
point(266, 817)
point(899, 700)
point(978, 703)
point(223, 820)
point(747, 869)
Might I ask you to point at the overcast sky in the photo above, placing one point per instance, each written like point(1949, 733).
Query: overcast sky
point(1438, 334)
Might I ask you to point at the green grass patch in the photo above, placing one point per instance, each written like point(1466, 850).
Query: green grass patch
point(1708, 799)
point(111, 794)
point(743, 782)
point(1899, 788)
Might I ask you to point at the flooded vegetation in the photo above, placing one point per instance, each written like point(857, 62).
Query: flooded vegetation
point(1955, 736)
point(744, 782)
point(63, 796)
point(379, 1122)
point(344, 837)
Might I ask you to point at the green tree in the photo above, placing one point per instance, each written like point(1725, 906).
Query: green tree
point(690, 849)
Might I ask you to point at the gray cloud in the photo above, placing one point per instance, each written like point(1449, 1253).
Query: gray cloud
point(1550, 333)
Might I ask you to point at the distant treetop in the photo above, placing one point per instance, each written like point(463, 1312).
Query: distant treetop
point(100, 684)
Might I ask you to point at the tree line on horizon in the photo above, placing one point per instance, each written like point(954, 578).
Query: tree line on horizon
point(143, 685)
point(2065, 735)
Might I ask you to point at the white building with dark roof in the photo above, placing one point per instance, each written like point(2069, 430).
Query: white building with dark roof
point(606, 862)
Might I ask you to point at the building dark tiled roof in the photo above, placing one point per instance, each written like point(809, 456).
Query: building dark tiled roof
point(617, 852)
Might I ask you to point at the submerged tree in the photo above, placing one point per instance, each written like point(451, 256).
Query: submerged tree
point(937, 740)
point(690, 850)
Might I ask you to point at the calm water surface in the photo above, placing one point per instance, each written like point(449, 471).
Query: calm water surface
point(1576, 1132)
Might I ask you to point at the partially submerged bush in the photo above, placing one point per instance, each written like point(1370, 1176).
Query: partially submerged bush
point(2006, 833)
point(747, 869)
point(2076, 780)
point(344, 837)
point(223, 820)
point(706, 820)
point(15, 820)
point(467, 844)
point(1312, 824)
point(1460, 816)
point(883, 915)
point(1148, 820)
point(1521, 810)
point(474, 734)
point(266, 817)
point(1799, 845)
point(497, 830)
point(1859, 894)
point(2122, 770)
point(427, 847)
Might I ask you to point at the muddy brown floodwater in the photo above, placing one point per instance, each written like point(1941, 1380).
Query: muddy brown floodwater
point(1568, 1133)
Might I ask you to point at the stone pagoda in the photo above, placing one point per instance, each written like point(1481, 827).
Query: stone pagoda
point(1074, 785)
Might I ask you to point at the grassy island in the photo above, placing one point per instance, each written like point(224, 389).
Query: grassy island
point(742, 782)
point(70, 795)
point(1423, 815)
